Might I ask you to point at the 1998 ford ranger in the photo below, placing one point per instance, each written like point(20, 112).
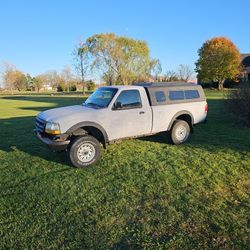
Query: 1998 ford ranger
point(116, 112)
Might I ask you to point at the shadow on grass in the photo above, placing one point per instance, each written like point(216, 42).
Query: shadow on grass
point(220, 132)
point(50, 99)
point(55, 101)
point(17, 132)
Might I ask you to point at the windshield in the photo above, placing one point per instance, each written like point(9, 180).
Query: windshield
point(101, 97)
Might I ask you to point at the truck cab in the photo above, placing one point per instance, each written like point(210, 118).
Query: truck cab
point(129, 113)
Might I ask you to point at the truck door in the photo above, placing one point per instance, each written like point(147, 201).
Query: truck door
point(131, 115)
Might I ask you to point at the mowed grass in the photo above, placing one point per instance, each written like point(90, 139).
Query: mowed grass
point(143, 194)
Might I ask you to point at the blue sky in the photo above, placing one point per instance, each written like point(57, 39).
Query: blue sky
point(38, 36)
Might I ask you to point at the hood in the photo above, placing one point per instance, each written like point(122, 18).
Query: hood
point(65, 113)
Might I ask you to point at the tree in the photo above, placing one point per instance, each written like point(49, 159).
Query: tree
point(13, 78)
point(67, 77)
point(156, 68)
point(185, 72)
point(81, 62)
point(51, 77)
point(120, 59)
point(38, 82)
point(109, 77)
point(170, 76)
point(29, 82)
point(219, 59)
point(90, 85)
point(20, 81)
point(239, 100)
point(8, 75)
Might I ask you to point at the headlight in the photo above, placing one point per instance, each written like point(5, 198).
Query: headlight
point(52, 128)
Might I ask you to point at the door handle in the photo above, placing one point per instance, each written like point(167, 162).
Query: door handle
point(141, 112)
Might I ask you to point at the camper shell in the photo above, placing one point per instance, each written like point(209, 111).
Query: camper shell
point(188, 92)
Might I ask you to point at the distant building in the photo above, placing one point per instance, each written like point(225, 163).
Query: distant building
point(245, 60)
point(47, 87)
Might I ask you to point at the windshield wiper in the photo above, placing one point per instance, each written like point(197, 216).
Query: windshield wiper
point(94, 104)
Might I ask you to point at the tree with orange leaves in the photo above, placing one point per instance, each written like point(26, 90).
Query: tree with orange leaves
point(219, 59)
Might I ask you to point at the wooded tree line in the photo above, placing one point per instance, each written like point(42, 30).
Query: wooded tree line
point(15, 79)
point(123, 60)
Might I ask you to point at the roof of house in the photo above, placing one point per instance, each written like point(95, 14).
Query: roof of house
point(245, 60)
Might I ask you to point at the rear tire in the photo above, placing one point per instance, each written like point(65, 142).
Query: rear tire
point(84, 151)
point(180, 132)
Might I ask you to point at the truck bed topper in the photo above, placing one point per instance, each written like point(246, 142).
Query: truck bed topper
point(162, 93)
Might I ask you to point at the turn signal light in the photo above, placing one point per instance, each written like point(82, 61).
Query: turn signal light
point(206, 108)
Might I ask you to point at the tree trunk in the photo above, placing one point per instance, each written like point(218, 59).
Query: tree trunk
point(83, 87)
point(110, 81)
point(82, 75)
point(221, 85)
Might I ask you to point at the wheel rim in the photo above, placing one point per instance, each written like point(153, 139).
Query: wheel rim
point(180, 133)
point(86, 152)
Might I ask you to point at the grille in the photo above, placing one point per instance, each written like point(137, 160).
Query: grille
point(40, 125)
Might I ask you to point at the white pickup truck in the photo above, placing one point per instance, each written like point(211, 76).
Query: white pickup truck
point(116, 112)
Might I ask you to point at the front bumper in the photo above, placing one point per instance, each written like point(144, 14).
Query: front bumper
point(52, 144)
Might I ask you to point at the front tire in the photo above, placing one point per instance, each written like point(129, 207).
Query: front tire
point(180, 132)
point(84, 151)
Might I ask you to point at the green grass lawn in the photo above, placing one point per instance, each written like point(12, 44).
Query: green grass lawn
point(144, 193)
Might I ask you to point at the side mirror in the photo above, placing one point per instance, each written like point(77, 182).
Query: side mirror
point(118, 105)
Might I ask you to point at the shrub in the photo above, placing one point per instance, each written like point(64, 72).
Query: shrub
point(90, 85)
point(239, 102)
point(59, 88)
point(213, 84)
point(72, 88)
point(206, 85)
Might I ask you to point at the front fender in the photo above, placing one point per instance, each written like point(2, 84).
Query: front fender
point(89, 124)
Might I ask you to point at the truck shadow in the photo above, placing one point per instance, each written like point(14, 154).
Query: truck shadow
point(219, 140)
point(221, 131)
point(17, 132)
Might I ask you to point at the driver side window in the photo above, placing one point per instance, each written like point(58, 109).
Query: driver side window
point(128, 99)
